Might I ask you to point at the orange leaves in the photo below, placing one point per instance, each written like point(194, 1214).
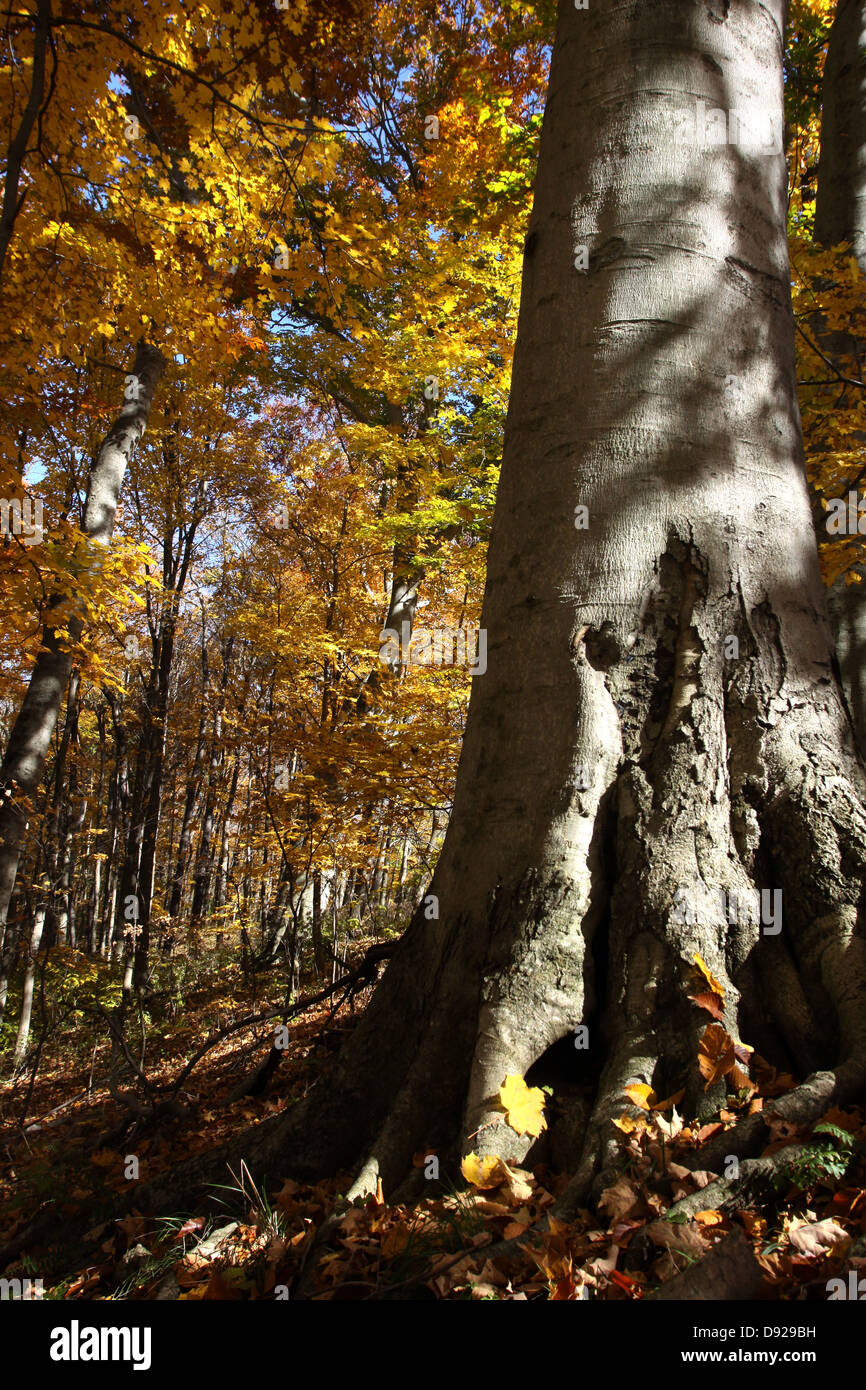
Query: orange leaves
point(709, 994)
point(715, 1054)
point(719, 1057)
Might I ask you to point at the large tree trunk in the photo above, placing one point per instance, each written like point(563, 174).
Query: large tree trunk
point(840, 206)
point(623, 755)
point(34, 725)
point(840, 216)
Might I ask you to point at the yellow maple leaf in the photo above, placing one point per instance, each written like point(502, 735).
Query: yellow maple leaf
point(628, 1125)
point(485, 1172)
point(523, 1105)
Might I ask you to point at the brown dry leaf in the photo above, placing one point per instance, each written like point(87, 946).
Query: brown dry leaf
point(710, 1002)
point(848, 1120)
point(619, 1201)
point(706, 1132)
point(756, 1226)
point(104, 1158)
point(567, 1289)
point(740, 1080)
point(285, 1198)
point(605, 1264)
point(770, 1082)
point(491, 1275)
point(276, 1249)
point(715, 1054)
point(134, 1225)
point(519, 1184)
point(684, 1239)
point(813, 1238)
point(488, 1207)
point(395, 1241)
point(491, 1172)
point(677, 1170)
point(217, 1288)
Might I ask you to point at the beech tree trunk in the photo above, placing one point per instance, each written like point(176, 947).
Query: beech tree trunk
point(659, 719)
point(840, 216)
point(34, 724)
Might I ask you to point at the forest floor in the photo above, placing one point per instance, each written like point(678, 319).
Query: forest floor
point(487, 1236)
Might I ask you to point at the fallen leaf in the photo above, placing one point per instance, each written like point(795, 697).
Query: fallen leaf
point(619, 1200)
point(709, 1218)
point(710, 1002)
point(641, 1095)
point(629, 1125)
point(485, 1173)
point(816, 1237)
point(715, 1054)
point(709, 977)
point(671, 1128)
point(523, 1105)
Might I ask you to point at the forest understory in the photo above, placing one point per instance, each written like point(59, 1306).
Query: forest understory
point(666, 1227)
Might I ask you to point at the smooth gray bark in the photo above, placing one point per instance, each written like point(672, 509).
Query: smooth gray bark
point(620, 749)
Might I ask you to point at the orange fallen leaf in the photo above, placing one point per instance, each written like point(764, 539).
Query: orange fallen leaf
point(709, 1218)
point(715, 1054)
point(709, 977)
point(641, 1095)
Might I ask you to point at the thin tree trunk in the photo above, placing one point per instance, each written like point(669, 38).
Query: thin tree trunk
point(34, 725)
point(26, 1014)
point(16, 153)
